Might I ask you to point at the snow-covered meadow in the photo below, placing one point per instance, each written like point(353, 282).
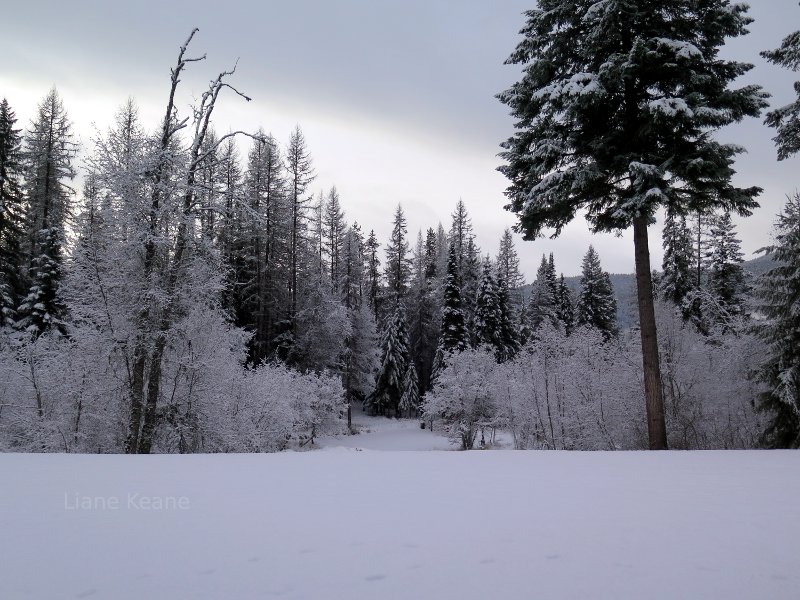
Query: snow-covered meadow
point(344, 523)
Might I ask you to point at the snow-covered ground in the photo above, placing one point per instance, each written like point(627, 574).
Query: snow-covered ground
point(381, 433)
point(341, 523)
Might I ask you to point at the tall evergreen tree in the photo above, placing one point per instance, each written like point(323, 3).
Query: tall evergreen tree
point(453, 336)
point(11, 215)
point(410, 399)
point(508, 269)
point(779, 294)
point(373, 274)
point(43, 308)
point(565, 306)
point(508, 336)
point(300, 174)
point(725, 272)
point(460, 234)
point(596, 306)
point(49, 151)
point(542, 302)
point(487, 312)
point(676, 278)
point(48, 155)
point(389, 382)
point(423, 310)
point(398, 263)
point(334, 228)
point(614, 113)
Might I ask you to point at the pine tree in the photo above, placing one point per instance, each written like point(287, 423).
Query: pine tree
point(334, 228)
point(373, 274)
point(423, 309)
point(11, 216)
point(453, 336)
point(565, 306)
point(508, 341)
point(471, 279)
point(542, 303)
point(487, 311)
point(460, 234)
point(43, 309)
point(725, 273)
point(508, 269)
point(786, 119)
point(596, 306)
point(49, 150)
point(779, 294)
point(676, 278)
point(431, 255)
point(410, 400)
point(398, 263)
point(261, 249)
point(613, 116)
point(385, 400)
point(300, 174)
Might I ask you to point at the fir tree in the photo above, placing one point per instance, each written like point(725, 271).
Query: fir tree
point(779, 294)
point(613, 115)
point(487, 312)
point(542, 303)
point(507, 344)
point(508, 271)
point(725, 273)
point(389, 382)
point(424, 310)
point(398, 264)
point(460, 235)
point(334, 228)
point(410, 400)
point(11, 216)
point(373, 273)
point(565, 306)
point(453, 335)
point(596, 306)
point(43, 309)
point(431, 255)
point(49, 150)
point(676, 278)
point(300, 174)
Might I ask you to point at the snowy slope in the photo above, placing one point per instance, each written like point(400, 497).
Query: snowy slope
point(340, 523)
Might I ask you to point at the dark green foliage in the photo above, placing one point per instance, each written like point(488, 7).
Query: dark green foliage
point(614, 109)
point(676, 277)
point(11, 215)
point(453, 336)
point(565, 306)
point(786, 119)
point(597, 306)
point(779, 295)
point(725, 272)
point(43, 309)
point(389, 382)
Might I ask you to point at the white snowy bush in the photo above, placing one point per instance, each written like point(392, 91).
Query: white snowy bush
point(584, 392)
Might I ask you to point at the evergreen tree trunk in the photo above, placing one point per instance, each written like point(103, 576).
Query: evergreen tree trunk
point(656, 426)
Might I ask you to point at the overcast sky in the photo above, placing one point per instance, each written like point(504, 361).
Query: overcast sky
point(396, 98)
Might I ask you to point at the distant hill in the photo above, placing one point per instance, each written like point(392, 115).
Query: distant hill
point(625, 288)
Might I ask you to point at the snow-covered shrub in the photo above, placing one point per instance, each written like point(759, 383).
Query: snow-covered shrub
point(708, 394)
point(463, 398)
point(584, 392)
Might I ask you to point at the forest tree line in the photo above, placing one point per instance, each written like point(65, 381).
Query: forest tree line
point(198, 294)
